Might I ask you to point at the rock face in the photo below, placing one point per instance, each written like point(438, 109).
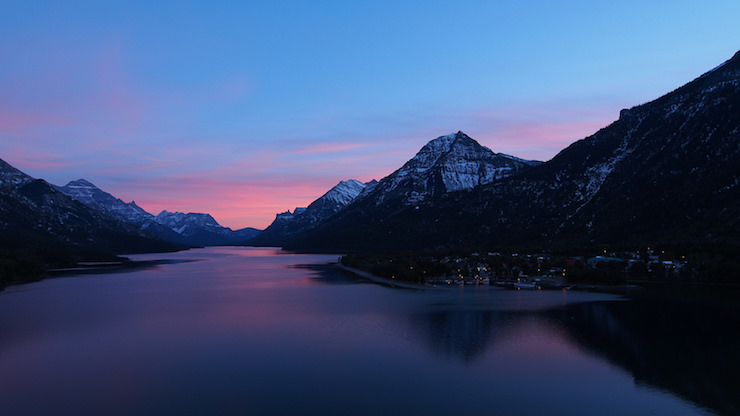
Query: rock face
point(667, 170)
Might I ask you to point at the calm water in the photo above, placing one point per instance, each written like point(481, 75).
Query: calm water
point(256, 331)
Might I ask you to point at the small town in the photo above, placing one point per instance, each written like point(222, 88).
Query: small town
point(528, 270)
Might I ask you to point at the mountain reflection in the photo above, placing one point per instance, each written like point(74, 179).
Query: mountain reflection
point(463, 334)
point(689, 351)
point(687, 348)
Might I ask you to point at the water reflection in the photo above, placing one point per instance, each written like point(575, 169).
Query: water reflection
point(114, 268)
point(259, 332)
point(691, 352)
point(461, 334)
point(328, 273)
point(687, 348)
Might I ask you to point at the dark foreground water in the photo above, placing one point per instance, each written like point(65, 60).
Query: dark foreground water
point(249, 331)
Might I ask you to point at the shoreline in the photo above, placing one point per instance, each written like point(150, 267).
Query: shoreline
point(109, 267)
point(388, 282)
point(616, 290)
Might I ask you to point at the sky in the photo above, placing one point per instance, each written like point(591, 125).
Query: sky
point(243, 109)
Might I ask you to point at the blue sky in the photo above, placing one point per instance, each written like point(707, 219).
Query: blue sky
point(244, 109)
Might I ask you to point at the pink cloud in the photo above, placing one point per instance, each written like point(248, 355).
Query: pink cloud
point(539, 131)
point(17, 122)
point(540, 141)
point(275, 181)
point(70, 104)
point(245, 183)
point(39, 163)
point(234, 202)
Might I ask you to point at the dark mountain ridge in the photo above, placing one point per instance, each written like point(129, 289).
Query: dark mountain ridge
point(667, 170)
point(92, 196)
point(41, 227)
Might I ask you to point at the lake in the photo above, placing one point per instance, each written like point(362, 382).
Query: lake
point(252, 331)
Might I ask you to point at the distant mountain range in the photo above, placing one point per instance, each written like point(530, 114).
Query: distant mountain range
point(192, 229)
point(665, 171)
point(202, 229)
point(43, 226)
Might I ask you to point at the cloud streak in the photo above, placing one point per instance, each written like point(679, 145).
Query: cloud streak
point(246, 184)
point(253, 114)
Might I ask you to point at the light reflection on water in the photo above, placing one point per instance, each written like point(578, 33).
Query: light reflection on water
point(259, 331)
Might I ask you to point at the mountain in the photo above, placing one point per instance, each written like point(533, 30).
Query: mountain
point(335, 199)
point(188, 229)
point(288, 224)
point(91, 195)
point(94, 197)
point(41, 227)
point(202, 229)
point(667, 170)
point(448, 163)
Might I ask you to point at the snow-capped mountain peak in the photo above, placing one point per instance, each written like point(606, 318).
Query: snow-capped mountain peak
point(432, 151)
point(333, 200)
point(183, 223)
point(177, 227)
point(345, 191)
point(85, 192)
point(90, 195)
point(448, 163)
point(203, 228)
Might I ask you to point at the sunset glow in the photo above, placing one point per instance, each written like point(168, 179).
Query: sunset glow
point(247, 109)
